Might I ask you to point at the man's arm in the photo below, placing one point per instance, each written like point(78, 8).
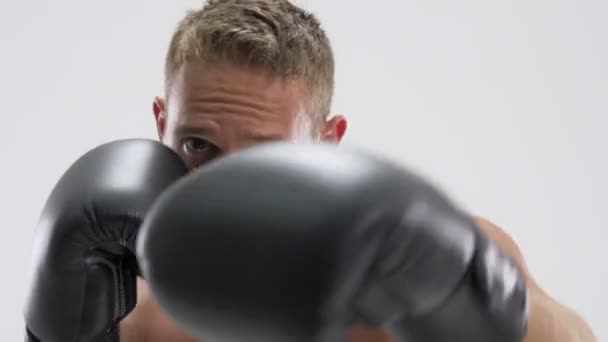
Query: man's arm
point(148, 322)
point(549, 320)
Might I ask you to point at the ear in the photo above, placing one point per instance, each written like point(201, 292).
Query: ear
point(158, 107)
point(334, 129)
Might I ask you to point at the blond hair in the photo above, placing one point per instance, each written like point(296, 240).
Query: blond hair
point(274, 35)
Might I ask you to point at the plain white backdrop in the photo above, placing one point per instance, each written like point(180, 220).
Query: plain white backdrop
point(502, 103)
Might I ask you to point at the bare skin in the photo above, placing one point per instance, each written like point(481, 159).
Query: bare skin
point(213, 111)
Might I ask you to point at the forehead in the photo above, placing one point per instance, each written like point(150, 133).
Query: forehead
point(237, 103)
point(195, 80)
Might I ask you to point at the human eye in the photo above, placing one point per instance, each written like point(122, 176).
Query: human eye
point(194, 145)
point(199, 149)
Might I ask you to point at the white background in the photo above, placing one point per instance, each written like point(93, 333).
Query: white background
point(503, 103)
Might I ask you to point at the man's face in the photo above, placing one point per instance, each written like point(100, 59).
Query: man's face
point(214, 110)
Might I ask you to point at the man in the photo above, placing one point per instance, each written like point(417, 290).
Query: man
point(242, 72)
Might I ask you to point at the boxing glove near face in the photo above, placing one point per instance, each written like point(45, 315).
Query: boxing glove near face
point(287, 242)
point(84, 272)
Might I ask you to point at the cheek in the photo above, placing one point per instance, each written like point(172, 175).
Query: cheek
point(170, 141)
point(163, 126)
point(173, 143)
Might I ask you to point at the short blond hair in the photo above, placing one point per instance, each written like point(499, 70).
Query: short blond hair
point(274, 35)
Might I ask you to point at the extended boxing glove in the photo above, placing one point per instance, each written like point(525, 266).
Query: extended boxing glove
point(84, 273)
point(287, 242)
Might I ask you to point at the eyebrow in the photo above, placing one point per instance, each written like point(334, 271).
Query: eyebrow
point(188, 129)
point(264, 137)
point(249, 135)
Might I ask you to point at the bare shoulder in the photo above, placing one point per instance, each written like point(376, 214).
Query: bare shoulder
point(504, 241)
point(550, 321)
point(496, 233)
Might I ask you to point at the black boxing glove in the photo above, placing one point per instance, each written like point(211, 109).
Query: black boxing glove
point(296, 243)
point(84, 273)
